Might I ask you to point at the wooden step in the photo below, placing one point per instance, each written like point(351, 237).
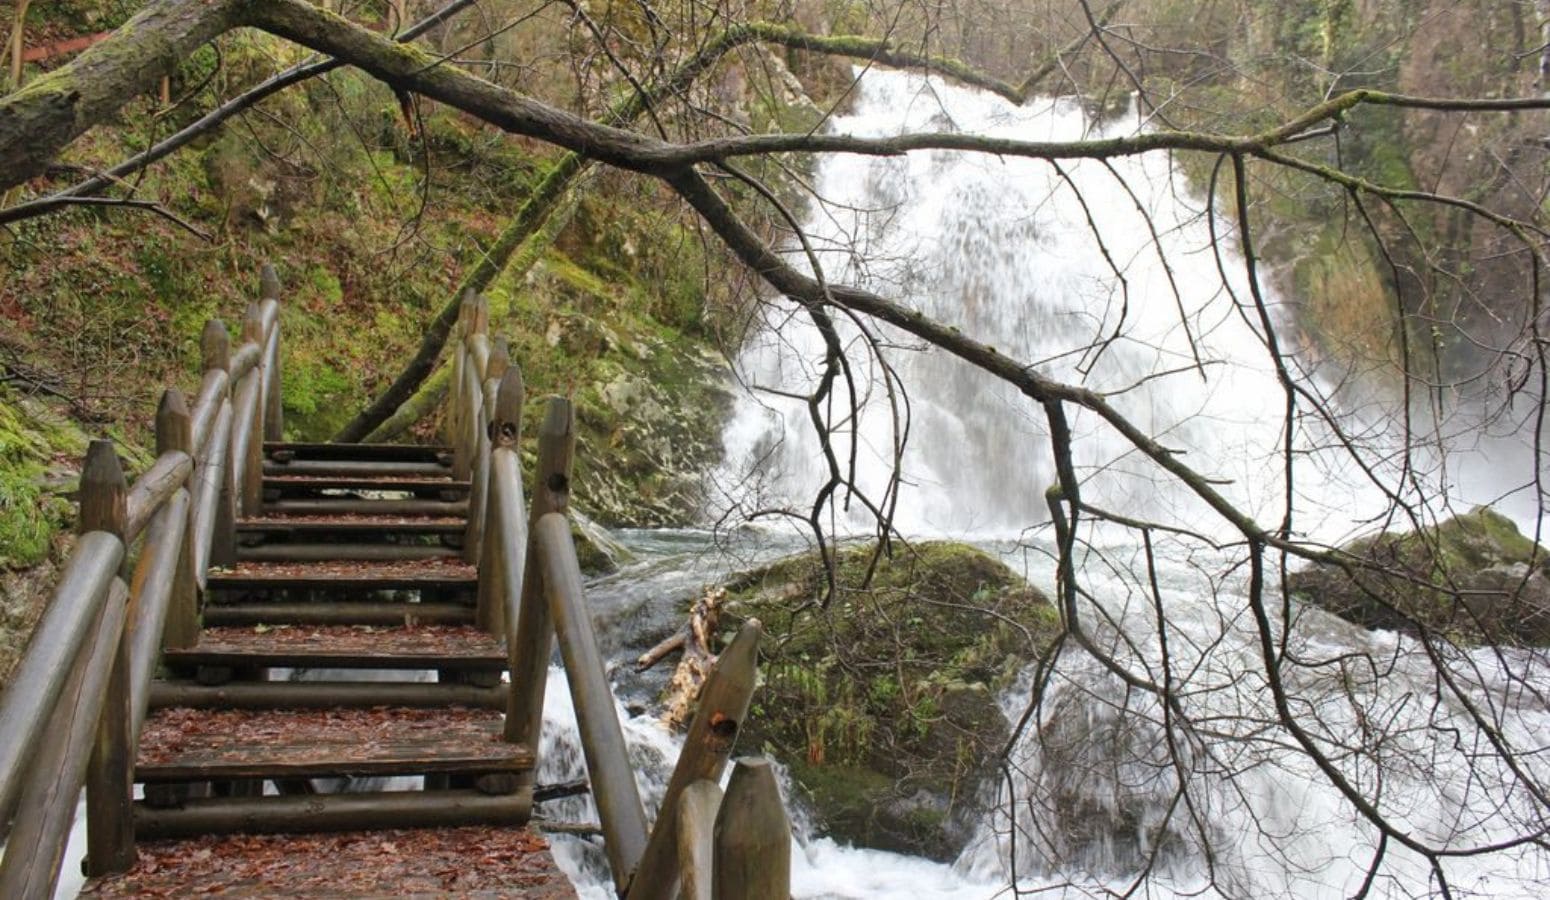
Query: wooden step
point(202, 745)
point(355, 468)
point(371, 452)
point(326, 695)
point(439, 487)
point(340, 552)
point(443, 572)
point(346, 647)
point(490, 862)
point(354, 526)
point(354, 506)
point(350, 613)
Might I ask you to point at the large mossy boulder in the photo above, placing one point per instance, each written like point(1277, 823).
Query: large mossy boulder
point(1473, 578)
point(883, 703)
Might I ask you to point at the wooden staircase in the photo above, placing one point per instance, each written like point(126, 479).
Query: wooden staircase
point(419, 591)
point(338, 573)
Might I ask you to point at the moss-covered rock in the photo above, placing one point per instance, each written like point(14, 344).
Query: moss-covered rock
point(1473, 578)
point(883, 702)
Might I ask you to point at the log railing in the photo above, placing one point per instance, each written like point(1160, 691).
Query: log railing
point(530, 592)
point(71, 715)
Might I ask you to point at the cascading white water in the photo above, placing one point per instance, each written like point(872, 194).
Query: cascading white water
point(1008, 251)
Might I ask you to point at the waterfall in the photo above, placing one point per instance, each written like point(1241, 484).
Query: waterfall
point(1108, 276)
point(1103, 275)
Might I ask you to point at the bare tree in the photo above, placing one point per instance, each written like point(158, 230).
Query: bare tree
point(1190, 720)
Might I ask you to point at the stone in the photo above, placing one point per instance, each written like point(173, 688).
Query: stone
point(883, 702)
point(1473, 579)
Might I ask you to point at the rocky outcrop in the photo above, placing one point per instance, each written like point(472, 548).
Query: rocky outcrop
point(883, 702)
point(1473, 578)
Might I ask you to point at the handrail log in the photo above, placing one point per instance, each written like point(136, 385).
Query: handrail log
point(36, 846)
point(243, 437)
point(602, 740)
point(151, 587)
point(40, 678)
point(244, 359)
point(535, 628)
point(207, 405)
point(696, 813)
point(272, 398)
point(212, 528)
point(153, 487)
point(505, 540)
point(718, 719)
point(479, 352)
point(506, 550)
point(479, 497)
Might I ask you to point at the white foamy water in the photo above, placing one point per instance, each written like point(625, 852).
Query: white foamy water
point(1109, 788)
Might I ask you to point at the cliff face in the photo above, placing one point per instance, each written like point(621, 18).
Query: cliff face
point(1464, 283)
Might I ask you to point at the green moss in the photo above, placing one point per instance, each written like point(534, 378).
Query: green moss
point(890, 689)
point(1473, 578)
point(35, 444)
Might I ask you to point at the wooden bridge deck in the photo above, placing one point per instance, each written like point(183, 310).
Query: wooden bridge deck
point(229, 754)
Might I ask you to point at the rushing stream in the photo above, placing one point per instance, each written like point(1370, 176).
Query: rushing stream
point(1107, 787)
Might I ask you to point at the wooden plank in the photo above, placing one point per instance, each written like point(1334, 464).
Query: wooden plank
point(359, 468)
point(325, 695)
point(209, 745)
point(448, 572)
point(349, 613)
point(490, 862)
point(379, 552)
point(402, 452)
point(353, 525)
point(350, 506)
point(411, 484)
point(346, 647)
point(332, 812)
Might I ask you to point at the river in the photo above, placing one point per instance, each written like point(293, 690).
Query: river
point(1108, 276)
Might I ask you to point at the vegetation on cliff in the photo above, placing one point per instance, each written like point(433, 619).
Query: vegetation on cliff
point(884, 702)
point(1473, 578)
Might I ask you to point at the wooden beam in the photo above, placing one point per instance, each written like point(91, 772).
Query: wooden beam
point(753, 836)
point(533, 643)
point(602, 739)
point(712, 734)
point(332, 812)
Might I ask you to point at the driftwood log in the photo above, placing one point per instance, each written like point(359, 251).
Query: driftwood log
point(694, 640)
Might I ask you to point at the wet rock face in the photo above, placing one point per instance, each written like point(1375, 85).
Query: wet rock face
point(883, 702)
point(1473, 578)
point(652, 430)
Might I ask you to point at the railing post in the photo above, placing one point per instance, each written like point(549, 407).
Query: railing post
point(215, 347)
point(458, 398)
point(534, 641)
point(753, 836)
point(174, 431)
point(269, 291)
point(110, 838)
point(602, 740)
point(696, 812)
point(505, 429)
point(718, 718)
point(479, 489)
point(253, 460)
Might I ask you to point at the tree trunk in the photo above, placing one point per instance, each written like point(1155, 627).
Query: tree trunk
point(18, 42)
point(37, 121)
